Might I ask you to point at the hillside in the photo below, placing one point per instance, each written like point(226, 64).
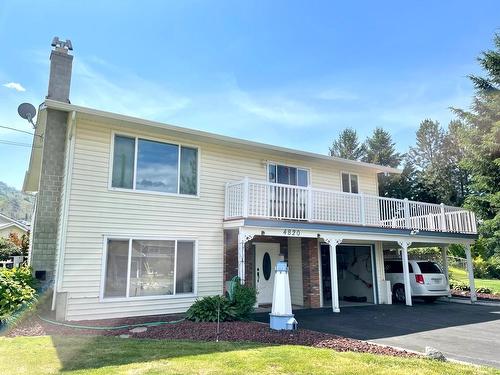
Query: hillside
point(14, 203)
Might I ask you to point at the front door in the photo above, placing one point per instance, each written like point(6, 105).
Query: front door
point(266, 257)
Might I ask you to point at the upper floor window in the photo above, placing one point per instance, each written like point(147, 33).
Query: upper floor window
point(283, 174)
point(350, 183)
point(143, 164)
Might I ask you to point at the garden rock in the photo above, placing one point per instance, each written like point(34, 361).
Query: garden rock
point(124, 336)
point(138, 329)
point(432, 353)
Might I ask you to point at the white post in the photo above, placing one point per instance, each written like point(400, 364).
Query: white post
point(333, 242)
point(243, 238)
point(470, 271)
point(309, 203)
point(362, 208)
point(406, 206)
point(444, 253)
point(406, 270)
point(443, 218)
point(245, 197)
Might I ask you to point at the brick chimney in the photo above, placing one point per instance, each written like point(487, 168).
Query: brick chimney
point(61, 63)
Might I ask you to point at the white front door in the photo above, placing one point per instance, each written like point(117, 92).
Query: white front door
point(266, 257)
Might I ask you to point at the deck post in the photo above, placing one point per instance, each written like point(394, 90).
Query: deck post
point(444, 253)
point(243, 238)
point(406, 208)
point(309, 209)
point(333, 242)
point(470, 271)
point(245, 197)
point(443, 218)
point(406, 270)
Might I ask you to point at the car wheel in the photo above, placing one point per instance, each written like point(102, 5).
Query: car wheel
point(430, 299)
point(399, 294)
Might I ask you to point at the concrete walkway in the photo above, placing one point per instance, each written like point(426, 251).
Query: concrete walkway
point(469, 333)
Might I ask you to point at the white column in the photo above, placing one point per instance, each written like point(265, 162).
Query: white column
point(243, 238)
point(470, 271)
point(406, 270)
point(444, 253)
point(333, 242)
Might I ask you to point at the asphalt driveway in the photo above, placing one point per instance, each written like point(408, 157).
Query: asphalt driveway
point(469, 333)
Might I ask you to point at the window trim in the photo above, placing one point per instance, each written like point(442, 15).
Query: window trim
point(104, 258)
point(350, 187)
point(269, 162)
point(154, 139)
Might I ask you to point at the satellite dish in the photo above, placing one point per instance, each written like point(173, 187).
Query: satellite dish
point(27, 111)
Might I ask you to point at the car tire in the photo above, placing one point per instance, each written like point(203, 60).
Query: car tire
point(430, 299)
point(399, 294)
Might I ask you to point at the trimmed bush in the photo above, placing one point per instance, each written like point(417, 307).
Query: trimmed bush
point(458, 285)
point(244, 299)
point(16, 291)
point(483, 290)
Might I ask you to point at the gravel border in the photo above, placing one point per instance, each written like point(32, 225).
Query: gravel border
point(187, 330)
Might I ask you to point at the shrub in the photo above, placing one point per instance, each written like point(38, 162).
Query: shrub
point(8, 249)
point(238, 305)
point(480, 268)
point(483, 290)
point(458, 285)
point(16, 291)
point(208, 309)
point(244, 299)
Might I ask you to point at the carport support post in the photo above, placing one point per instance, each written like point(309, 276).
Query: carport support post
point(444, 252)
point(406, 270)
point(470, 271)
point(333, 242)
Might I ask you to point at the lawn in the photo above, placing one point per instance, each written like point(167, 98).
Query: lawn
point(461, 275)
point(114, 355)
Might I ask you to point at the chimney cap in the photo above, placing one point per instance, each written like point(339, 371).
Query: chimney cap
point(62, 44)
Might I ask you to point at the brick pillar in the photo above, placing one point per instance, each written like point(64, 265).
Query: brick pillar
point(249, 263)
point(310, 272)
point(230, 255)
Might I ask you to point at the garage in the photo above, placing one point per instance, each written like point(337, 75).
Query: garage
point(355, 275)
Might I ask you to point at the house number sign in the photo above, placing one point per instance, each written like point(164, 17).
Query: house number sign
point(291, 232)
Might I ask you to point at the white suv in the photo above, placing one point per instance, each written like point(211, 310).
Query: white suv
point(426, 280)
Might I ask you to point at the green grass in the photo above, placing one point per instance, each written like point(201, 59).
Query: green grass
point(461, 275)
point(112, 355)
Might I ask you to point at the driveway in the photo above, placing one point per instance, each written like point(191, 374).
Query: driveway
point(469, 333)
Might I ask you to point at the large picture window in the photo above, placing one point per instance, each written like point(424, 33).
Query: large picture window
point(158, 166)
point(138, 267)
point(283, 174)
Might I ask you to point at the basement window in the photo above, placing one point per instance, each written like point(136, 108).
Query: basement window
point(147, 165)
point(146, 267)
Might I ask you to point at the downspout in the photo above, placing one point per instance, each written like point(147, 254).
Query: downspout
point(65, 208)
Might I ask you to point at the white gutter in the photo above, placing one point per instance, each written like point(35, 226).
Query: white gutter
point(64, 209)
point(211, 136)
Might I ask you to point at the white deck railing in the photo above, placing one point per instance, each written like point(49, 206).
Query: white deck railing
point(268, 200)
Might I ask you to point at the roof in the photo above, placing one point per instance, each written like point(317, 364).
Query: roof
point(12, 222)
point(30, 183)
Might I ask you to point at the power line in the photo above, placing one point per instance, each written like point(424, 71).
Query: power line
point(11, 143)
point(17, 130)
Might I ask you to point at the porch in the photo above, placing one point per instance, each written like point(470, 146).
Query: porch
point(322, 256)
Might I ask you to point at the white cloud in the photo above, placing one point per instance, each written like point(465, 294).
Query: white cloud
point(15, 86)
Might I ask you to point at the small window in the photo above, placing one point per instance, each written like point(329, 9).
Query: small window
point(137, 267)
point(429, 267)
point(162, 167)
point(350, 183)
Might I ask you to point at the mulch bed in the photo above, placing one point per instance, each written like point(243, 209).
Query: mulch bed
point(187, 330)
point(483, 296)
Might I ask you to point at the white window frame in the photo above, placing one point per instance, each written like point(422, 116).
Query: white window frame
point(155, 139)
point(350, 187)
point(269, 162)
point(127, 297)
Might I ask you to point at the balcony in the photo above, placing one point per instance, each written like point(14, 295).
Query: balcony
point(266, 200)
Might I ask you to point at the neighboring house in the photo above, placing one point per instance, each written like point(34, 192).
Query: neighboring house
point(9, 225)
point(135, 217)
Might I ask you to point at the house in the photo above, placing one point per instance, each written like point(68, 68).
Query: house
point(135, 217)
point(9, 225)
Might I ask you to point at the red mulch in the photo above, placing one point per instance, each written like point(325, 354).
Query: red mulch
point(485, 296)
point(187, 330)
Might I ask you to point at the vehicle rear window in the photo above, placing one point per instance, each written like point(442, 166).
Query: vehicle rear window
point(429, 267)
point(396, 267)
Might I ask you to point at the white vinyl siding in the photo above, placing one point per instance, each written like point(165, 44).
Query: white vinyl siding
point(96, 212)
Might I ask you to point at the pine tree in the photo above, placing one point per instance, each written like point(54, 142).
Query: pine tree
point(480, 139)
point(347, 145)
point(380, 149)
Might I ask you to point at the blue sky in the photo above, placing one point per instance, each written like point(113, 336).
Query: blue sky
point(282, 72)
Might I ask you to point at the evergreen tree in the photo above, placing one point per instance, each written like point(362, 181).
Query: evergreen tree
point(380, 149)
point(347, 145)
point(480, 139)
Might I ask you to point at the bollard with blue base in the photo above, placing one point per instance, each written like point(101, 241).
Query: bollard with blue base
point(281, 317)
